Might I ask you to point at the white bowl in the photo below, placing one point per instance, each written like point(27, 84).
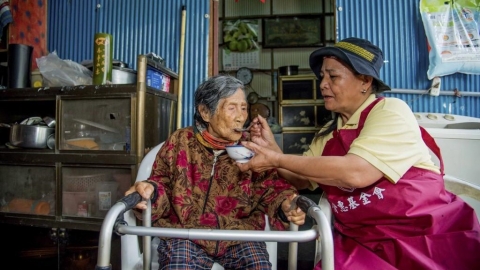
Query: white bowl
point(239, 153)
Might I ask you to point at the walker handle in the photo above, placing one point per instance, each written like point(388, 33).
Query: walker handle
point(131, 200)
point(304, 203)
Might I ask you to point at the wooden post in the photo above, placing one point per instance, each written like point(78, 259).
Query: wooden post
point(180, 69)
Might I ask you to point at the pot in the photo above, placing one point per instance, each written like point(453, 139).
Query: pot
point(122, 75)
point(288, 70)
point(115, 63)
point(30, 136)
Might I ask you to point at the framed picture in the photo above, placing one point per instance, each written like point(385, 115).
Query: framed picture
point(240, 44)
point(297, 116)
point(240, 35)
point(297, 142)
point(284, 32)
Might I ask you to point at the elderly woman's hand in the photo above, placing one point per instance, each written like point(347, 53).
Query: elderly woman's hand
point(145, 190)
point(261, 134)
point(296, 216)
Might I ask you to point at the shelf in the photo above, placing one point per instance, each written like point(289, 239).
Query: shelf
point(301, 111)
point(101, 135)
point(50, 93)
point(41, 221)
point(247, 17)
point(40, 156)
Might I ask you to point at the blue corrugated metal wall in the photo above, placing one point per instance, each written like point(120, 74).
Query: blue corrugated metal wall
point(138, 27)
point(145, 26)
point(397, 27)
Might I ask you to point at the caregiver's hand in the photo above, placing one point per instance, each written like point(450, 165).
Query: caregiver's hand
point(264, 158)
point(261, 134)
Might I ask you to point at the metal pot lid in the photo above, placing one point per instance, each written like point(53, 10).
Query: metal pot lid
point(34, 120)
point(97, 125)
point(125, 69)
point(115, 63)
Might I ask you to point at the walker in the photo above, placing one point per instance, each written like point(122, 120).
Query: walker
point(114, 222)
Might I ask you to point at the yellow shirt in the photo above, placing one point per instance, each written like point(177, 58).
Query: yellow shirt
point(390, 139)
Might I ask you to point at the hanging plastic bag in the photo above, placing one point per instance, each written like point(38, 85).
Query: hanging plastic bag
point(453, 36)
point(58, 72)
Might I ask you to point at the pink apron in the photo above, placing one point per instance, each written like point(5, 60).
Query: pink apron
point(413, 224)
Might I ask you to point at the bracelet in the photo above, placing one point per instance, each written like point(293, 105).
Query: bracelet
point(155, 191)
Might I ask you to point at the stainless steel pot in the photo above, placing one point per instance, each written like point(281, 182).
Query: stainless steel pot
point(122, 75)
point(30, 136)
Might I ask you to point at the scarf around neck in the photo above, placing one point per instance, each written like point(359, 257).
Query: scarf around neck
point(208, 140)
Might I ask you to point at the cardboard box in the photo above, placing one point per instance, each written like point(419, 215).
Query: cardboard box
point(154, 79)
point(158, 80)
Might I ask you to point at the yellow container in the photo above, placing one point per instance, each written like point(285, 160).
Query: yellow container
point(36, 78)
point(102, 58)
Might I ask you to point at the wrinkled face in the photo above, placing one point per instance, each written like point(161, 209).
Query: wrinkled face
point(341, 87)
point(231, 113)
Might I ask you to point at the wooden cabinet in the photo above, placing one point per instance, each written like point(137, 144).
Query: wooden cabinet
point(99, 143)
point(101, 136)
point(301, 111)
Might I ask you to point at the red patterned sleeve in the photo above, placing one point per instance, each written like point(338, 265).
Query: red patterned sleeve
point(272, 191)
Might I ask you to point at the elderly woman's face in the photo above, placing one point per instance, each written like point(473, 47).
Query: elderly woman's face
point(231, 113)
point(341, 87)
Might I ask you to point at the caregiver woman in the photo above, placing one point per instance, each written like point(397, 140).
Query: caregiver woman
point(388, 198)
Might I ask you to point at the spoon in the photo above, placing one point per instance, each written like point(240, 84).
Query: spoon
point(247, 128)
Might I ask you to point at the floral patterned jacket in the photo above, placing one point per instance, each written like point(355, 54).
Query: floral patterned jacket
point(200, 189)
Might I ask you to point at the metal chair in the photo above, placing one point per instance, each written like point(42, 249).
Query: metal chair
point(470, 193)
point(121, 220)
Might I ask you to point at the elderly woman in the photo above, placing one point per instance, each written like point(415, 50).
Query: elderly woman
point(194, 184)
point(390, 206)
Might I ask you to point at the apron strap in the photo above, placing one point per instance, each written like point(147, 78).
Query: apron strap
point(365, 112)
point(430, 142)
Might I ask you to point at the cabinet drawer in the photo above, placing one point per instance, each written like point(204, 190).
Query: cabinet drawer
point(303, 116)
point(91, 191)
point(299, 89)
point(95, 124)
point(27, 189)
point(296, 142)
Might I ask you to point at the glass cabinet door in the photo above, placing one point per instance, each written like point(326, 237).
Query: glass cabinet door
point(27, 189)
point(95, 124)
point(91, 191)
